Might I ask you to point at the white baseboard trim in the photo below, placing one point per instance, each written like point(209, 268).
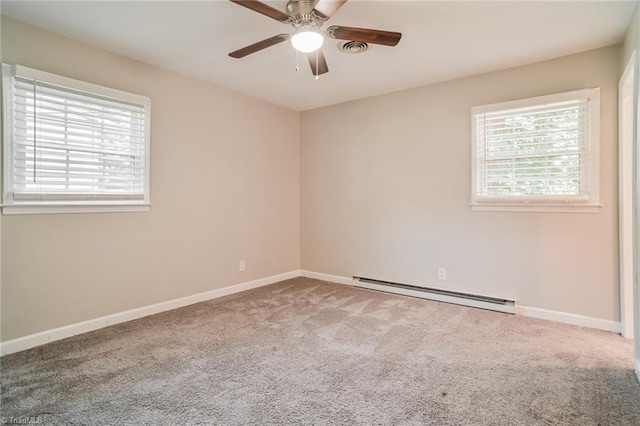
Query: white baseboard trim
point(37, 339)
point(567, 318)
point(527, 311)
point(326, 277)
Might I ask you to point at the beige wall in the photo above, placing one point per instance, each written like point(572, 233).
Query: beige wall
point(385, 186)
point(224, 187)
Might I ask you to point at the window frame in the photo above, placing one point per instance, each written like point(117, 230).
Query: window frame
point(102, 203)
point(589, 203)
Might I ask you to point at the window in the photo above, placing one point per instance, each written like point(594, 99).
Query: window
point(71, 146)
point(537, 154)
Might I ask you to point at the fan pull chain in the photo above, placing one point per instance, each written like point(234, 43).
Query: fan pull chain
point(317, 76)
point(297, 67)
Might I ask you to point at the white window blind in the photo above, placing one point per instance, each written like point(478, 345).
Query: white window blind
point(539, 150)
point(74, 146)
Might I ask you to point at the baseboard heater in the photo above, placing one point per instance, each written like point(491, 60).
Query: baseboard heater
point(465, 299)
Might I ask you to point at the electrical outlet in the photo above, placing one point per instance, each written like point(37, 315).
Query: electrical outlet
point(442, 274)
point(242, 265)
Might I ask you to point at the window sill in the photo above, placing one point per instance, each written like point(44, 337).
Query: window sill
point(72, 208)
point(536, 207)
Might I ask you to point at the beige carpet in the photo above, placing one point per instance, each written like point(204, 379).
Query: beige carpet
point(308, 352)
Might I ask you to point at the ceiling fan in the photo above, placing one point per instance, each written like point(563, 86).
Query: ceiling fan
point(307, 18)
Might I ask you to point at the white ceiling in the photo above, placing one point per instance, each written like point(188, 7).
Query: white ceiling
point(441, 41)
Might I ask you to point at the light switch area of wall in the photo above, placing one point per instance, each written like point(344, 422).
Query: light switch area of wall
point(242, 265)
point(442, 274)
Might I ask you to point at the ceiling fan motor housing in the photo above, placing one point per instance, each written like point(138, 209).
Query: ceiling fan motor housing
point(302, 13)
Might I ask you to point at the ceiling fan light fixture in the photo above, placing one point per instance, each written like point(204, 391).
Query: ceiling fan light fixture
point(307, 40)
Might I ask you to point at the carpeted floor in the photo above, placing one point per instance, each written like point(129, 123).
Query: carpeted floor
point(308, 352)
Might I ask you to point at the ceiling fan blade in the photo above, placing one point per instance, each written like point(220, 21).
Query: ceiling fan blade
point(318, 67)
point(264, 9)
point(329, 7)
point(386, 38)
point(241, 53)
